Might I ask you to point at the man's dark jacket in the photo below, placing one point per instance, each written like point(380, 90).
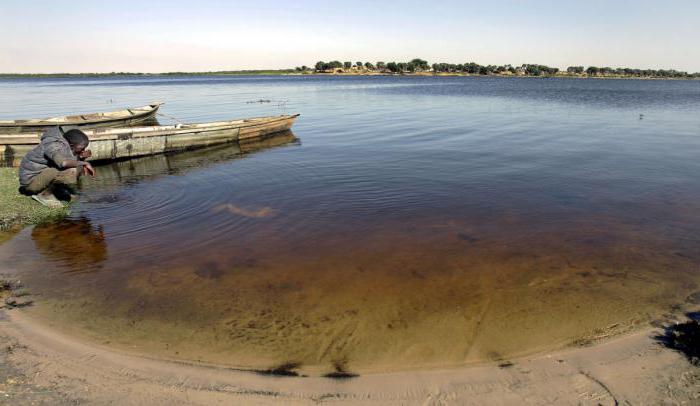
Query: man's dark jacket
point(50, 153)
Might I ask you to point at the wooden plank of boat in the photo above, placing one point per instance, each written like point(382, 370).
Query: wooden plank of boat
point(121, 118)
point(159, 164)
point(120, 143)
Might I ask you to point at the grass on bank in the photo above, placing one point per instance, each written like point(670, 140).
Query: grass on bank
point(17, 210)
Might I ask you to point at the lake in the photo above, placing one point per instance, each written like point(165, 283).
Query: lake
point(408, 222)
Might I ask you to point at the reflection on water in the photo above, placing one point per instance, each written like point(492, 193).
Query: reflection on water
point(133, 170)
point(74, 244)
point(422, 223)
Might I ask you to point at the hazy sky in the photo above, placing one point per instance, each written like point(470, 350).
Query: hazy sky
point(203, 35)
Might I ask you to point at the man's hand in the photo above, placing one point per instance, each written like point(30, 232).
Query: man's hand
point(83, 167)
point(88, 169)
point(85, 154)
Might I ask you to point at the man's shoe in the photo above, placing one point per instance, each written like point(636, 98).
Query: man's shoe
point(63, 193)
point(49, 201)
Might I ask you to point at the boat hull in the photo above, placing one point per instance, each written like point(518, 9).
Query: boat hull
point(124, 143)
point(145, 115)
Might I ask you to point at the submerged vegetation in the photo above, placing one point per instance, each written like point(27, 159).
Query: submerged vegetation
point(420, 66)
point(16, 209)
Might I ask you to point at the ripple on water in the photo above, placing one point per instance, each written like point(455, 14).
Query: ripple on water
point(417, 221)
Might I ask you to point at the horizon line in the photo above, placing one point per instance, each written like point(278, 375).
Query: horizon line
point(311, 67)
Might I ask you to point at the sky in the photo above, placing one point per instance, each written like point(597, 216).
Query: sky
point(208, 35)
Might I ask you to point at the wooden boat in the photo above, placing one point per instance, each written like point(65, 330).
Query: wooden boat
point(120, 143)
point(121, 118)
point(153, 166)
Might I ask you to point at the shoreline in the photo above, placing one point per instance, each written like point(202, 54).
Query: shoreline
point(631, 368)
point(323, 74)
point(563, 76)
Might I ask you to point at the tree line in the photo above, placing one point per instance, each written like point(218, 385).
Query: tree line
point(608, 71)
point(420, 65)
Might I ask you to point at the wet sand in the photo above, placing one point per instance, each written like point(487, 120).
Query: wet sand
point(45, 365)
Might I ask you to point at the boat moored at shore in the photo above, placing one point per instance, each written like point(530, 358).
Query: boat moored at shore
point(109, 144)
point(144, 115)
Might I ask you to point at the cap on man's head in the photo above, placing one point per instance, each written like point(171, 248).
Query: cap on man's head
point(76, 137)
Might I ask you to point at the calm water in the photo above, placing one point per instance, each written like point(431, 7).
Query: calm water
point(413, 222)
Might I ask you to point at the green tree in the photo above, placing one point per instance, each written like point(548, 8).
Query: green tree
point(472, 67)
point(419, 64)
point(347, 65)
point(532, 69)
point(369, 66)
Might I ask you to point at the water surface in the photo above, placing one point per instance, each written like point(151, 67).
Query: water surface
point(414, 222)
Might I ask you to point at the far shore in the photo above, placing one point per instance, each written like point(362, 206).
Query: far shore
point(289, 72)
point(462, 74)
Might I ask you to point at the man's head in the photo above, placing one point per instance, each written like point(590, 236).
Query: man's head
point(77, 139)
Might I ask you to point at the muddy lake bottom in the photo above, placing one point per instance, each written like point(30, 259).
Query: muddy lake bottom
point(407, 223)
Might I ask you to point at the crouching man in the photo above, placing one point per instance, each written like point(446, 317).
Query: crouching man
point(53, 167)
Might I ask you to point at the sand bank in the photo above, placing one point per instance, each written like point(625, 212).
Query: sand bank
point(46, 365)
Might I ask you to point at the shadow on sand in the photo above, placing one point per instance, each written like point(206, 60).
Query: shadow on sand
point(684, 337)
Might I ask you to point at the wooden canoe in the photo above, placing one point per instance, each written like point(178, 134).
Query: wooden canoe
point(121, 143)
point(153, 166)
point(121, 118)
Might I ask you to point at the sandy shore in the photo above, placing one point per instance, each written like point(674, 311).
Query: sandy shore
point(40, 365)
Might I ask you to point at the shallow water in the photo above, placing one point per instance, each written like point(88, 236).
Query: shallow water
point(415, 222)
